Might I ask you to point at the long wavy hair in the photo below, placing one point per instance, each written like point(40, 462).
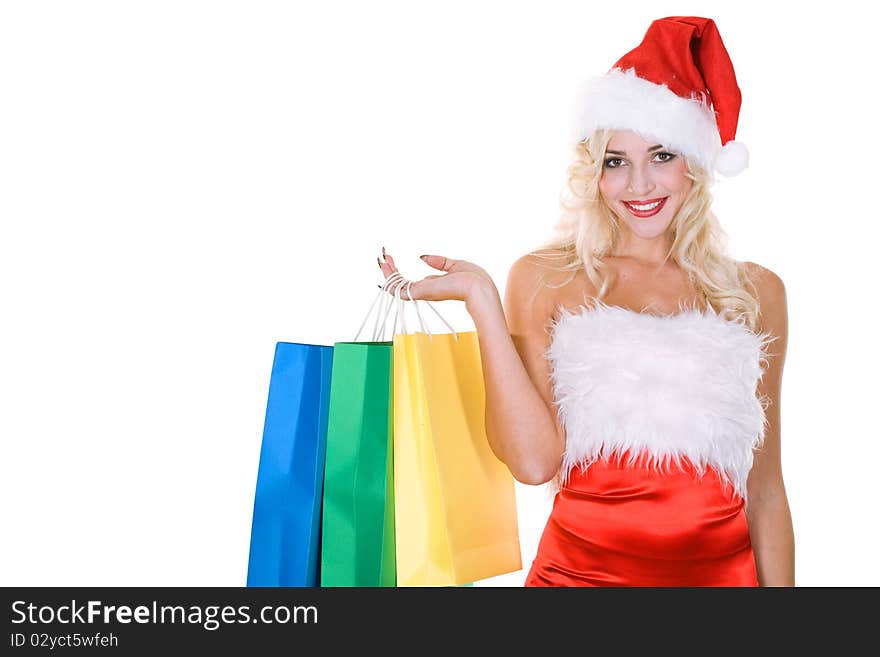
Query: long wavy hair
point(588, 230)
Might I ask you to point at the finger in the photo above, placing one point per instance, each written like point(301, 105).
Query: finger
point(412, 291)
point(388, 269)
point(439, 288)
point(389, 260)
point(418, 289)
point(439, 262)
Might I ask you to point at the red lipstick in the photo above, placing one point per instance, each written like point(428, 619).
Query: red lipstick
point(644, 214)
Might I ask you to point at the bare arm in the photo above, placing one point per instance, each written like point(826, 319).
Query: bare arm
point(769, 517)
point(521, 426)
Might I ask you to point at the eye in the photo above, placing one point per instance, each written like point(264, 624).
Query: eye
point(609, 165)
point(666, 156)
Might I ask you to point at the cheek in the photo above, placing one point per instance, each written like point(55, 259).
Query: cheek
point(675, 179)
point(612, 183)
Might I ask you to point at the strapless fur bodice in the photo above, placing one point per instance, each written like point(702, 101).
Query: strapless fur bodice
point(658, 386)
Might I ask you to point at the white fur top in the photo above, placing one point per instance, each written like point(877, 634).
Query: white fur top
point(665, 386)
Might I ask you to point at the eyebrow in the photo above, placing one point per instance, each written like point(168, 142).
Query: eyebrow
point(653, 148)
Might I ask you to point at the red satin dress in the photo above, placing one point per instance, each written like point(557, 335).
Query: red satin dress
point(619, 525)
point(661, 417)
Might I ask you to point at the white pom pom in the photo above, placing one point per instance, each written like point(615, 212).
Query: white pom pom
point(732, 159)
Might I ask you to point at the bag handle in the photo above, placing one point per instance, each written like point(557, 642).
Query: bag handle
point(398, 286)
point(393, 285)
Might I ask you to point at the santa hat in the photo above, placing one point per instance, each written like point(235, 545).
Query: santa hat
point(678, 87)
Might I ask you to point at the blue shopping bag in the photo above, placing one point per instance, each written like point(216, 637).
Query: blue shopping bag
point(286, 527)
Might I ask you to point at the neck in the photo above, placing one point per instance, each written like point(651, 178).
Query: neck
point(650, 252)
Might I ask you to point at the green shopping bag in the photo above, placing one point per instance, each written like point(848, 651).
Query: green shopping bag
point(357, 542)
point(358, 529)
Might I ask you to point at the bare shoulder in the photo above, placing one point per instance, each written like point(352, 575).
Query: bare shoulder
point(768, 283)
point(534, 283)
point(535, 286)
point(772, 299)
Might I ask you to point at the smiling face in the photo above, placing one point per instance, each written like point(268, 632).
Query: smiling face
point(643, 183)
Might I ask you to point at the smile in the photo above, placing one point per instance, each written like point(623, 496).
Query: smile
point(646, 208)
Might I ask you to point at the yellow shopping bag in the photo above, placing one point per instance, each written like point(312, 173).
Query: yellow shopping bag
point(455, 505)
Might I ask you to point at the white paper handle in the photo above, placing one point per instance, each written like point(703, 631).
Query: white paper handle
point(393, 285)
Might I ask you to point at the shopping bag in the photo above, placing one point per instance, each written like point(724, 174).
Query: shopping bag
point(285, 530)
point(357, 545)
point(455, 505)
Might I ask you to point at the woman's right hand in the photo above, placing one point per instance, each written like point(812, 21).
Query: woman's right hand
point(463, 281)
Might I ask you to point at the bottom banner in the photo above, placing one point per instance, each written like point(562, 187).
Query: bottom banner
point(244, 620)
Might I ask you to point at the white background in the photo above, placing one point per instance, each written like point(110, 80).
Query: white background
point(182, 184)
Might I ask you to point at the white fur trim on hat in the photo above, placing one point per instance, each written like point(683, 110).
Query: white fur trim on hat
point(620, 100)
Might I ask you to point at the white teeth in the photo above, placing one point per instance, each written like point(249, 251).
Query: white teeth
point(645, 208)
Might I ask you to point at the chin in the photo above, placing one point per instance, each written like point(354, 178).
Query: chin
point(644, 230)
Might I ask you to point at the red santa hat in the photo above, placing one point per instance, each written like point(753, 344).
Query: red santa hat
point(678, 87)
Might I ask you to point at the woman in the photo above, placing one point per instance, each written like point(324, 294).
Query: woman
point(633, 363)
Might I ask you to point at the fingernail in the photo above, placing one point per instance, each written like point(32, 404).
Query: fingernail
point(423, 256)
point(383, 251)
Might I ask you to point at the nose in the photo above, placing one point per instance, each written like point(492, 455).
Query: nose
point(640, 180)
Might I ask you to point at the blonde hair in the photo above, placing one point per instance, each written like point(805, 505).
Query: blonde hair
point(588, 230)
